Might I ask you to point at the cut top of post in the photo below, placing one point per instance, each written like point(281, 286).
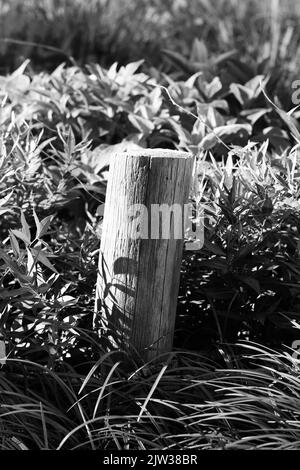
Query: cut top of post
point(156, 153)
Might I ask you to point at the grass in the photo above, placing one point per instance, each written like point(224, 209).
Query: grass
point(99, 30)
point(181, 401)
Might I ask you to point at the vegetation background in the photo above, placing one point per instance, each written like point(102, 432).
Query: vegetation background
point(80, 80)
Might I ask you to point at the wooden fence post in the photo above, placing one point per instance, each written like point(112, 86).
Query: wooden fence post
point(141, 249)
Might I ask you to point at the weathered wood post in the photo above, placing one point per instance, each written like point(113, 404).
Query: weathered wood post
point(141, 249)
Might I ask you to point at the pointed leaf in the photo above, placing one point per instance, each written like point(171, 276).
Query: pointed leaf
point(21, 235)
point(25, 227)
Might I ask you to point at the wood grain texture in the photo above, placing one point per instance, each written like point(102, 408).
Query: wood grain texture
point(138, 278)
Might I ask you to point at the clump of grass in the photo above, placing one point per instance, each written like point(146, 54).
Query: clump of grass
point(181, 401)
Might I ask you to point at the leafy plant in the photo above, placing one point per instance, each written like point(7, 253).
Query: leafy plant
point(217, 91)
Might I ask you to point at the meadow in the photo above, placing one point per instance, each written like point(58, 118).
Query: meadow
point(80, 81)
